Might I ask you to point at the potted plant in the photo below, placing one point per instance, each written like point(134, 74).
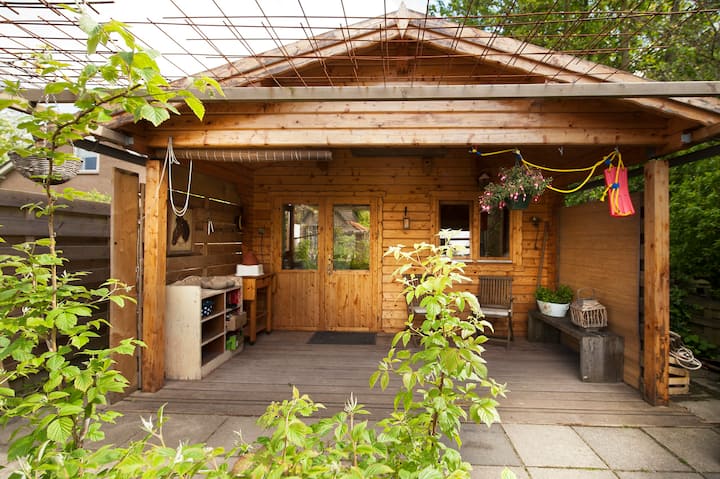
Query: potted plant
point(518, 186)
point(554, 302)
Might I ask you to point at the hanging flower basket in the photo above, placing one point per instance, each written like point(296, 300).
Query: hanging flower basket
point(518, 186)
point(521, 203)
point(38, 169)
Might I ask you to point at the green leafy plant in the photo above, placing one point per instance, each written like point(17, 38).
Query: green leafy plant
point(441, 384)
point(54, 390)
point(563, 294)
point(519, 183)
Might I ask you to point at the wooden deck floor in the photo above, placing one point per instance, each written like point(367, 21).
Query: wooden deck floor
point(542, 379)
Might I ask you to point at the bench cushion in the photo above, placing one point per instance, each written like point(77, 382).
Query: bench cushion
point(418, 310)
point(495, 312)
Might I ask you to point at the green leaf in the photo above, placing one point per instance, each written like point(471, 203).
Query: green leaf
point(508, 474)
point(377, 469)
point(384, 380)
point(154, 115)
point(430, 473)
point(60, 429)
point(83, 381)
point(196, 106)
point(21, 447)
point(69, 410)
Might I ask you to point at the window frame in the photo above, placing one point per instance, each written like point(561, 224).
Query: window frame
point(515, 228)
point(83, 169)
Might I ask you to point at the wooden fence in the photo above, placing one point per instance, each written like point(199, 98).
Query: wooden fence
point(82, 234)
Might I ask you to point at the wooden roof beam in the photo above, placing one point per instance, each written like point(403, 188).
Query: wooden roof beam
point(471, 92)
point(648, 89)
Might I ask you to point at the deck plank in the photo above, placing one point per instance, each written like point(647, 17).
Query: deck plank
point(542, 379)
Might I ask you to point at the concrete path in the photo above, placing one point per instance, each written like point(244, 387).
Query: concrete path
point(532, 451)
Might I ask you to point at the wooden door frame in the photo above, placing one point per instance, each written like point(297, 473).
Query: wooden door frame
point(374, 199)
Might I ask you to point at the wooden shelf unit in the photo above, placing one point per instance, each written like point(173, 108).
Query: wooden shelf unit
point(195, 344)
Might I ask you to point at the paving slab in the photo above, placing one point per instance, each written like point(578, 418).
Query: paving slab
point(552, 446)
point(699, 447)
point(126, 429)
point(630, 449)
point(226, 436)
point(707, 409)
point(189, 428)
point(487, 446)
point(558, 473)
point(658, 475)
point(495, 472)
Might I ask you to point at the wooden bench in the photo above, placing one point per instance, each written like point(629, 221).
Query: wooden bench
point(601, 352)
point(496, 303)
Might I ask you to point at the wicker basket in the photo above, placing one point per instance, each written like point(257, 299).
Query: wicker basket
point(37, 169)
point(586, 311)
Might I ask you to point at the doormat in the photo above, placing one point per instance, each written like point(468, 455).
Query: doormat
point(333, 337)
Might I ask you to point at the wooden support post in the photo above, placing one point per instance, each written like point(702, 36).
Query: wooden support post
point(123, 267)
point(657, 283)
point(154, 267)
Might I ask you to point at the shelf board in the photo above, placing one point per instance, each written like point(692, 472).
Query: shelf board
point(212, 361)
point(209, 339)
point(211, 316)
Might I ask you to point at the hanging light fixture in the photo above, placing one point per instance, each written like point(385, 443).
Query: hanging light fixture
point(406, 220)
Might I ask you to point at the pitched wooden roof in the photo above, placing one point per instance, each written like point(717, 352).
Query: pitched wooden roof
point(323, 93)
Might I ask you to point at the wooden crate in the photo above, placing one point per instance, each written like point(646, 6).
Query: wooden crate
point(679, 378)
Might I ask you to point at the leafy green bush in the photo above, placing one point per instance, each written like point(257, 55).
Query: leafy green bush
point(441, 385)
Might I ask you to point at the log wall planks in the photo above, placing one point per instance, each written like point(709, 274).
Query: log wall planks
point(603, 252)
point(406, 123)
point(401, 182)
point(218, 199)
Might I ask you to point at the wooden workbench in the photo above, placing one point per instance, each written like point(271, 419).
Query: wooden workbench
point(258, 289)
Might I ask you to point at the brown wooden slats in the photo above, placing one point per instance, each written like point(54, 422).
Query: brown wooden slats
point(217, 252)
point(602, 252)
point(401, 182)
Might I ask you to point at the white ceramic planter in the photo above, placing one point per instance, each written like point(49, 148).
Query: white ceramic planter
point(553, 309)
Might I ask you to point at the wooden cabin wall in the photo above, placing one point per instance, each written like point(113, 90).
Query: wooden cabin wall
point(410, 182)
point(215, 253)
point(603, 252)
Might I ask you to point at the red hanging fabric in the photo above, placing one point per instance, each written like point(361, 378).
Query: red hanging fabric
point(616, 183)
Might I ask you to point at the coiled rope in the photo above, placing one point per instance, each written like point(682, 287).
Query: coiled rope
point(170, 160)
point(682, 353)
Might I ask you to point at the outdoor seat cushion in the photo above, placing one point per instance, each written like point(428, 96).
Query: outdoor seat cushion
point(418, 310)
point(495, 311)
point(216, 282)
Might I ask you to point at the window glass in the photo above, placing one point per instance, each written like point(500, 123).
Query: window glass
point(495, 233)
point(300, 236)
point(90, 160)
point(351, 237)
point(456, 216)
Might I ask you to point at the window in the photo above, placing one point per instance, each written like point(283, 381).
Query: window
point(90, 161)
point(491, 237)
point(495, 234)
point(300, 236)
point(455, 216)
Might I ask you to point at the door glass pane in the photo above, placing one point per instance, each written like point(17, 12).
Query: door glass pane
point(351, 237)
point(456, 217)
point(300, 236)
point(495, 233)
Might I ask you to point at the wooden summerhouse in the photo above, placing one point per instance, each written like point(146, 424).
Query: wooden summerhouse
point(363, 136)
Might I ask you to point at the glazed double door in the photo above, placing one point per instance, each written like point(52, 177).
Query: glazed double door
point(327, 259)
